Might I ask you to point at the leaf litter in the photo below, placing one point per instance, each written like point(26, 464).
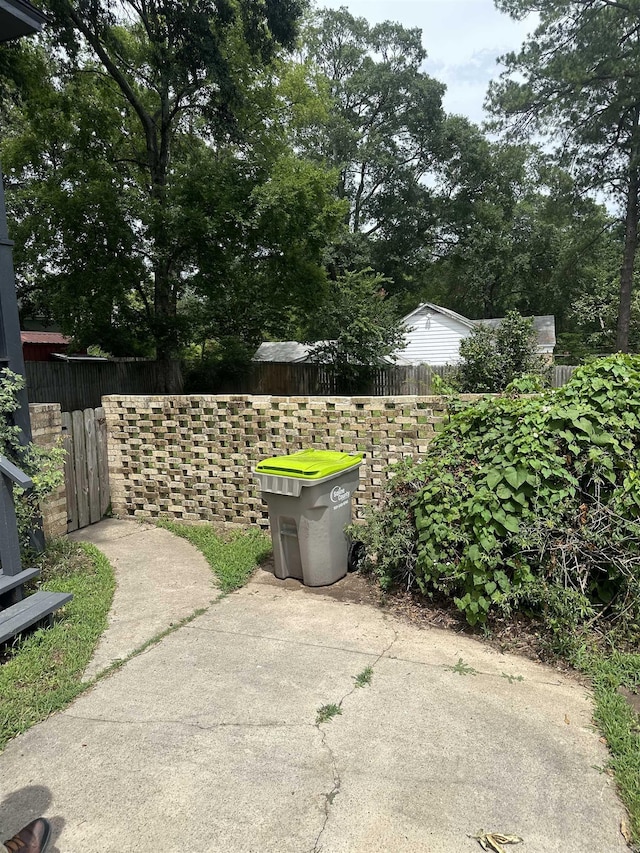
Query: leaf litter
point(493, 841)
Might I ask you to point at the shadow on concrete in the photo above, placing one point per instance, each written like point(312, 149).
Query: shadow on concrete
point(20, 807)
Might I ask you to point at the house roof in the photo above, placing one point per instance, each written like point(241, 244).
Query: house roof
point(84, 357)
point(440, 310)
point(289, 351)
point(293, 352)
point(544, 325)
point(19, 18)
point(44, 338)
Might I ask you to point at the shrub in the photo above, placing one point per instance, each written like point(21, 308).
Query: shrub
point(521, 496)
point(490, 359)
point(42, 465)
point(223, 369)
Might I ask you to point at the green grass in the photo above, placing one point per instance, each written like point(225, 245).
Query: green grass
point(364, 678)
point(42, 672)
point(619, 724)
point(327, 712)
point(233, 558)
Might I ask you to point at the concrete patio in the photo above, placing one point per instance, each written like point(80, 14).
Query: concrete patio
point(208, 741)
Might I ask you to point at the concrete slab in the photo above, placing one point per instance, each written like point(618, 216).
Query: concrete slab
point(456, 753)
point(160, 579)
point(208, 742)
point(283, 614)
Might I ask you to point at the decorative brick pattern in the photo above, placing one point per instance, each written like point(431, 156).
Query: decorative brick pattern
point(46, 426)
point(192, 457)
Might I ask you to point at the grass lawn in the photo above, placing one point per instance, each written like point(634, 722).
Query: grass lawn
point(42, 672)
point(232, 557)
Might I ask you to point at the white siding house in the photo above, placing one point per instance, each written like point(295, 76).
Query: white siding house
point(433, 337)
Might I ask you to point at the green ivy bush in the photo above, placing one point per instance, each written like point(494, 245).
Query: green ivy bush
point(524, 502)
point(44, 466)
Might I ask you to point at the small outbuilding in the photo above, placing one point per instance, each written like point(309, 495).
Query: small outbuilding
point(43, 346)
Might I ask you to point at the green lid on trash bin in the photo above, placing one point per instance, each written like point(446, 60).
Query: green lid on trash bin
point(309, 464)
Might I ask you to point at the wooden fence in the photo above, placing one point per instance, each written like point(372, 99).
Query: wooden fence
point(562, 373)
point(300, 380)
point(86, 467)
point(83, 384)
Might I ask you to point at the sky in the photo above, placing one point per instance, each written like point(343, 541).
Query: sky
point(463, 39)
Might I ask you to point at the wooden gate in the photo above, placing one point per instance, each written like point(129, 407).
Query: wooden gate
point(86, 469)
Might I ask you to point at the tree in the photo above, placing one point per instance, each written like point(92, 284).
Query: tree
point(257, 258)
point(172, 67)
point(247, 219)
point(382, 134)
point(491, 358)
point(514, 232)
point(582, 86)
point(594, 315)
point(361, 329)
point(77, 205)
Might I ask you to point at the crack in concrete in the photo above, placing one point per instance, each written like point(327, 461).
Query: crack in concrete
point(278, 724)
point(112, 538)
point(294, 641)
point(382, 654)
point(330, 796)
point(559, 682)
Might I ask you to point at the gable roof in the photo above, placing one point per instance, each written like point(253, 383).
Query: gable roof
point(440, 310)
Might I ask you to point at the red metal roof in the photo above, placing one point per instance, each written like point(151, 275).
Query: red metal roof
point(44, 338)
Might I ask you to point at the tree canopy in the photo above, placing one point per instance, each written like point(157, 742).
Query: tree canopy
point(382, 133)
point(576, 79)
point(161, 82)
point(195, 177)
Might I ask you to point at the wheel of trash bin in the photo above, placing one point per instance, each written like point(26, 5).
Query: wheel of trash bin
point(356, 556)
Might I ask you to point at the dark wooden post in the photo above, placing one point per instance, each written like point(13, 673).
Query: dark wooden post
point(10, 343)
point(17, 18)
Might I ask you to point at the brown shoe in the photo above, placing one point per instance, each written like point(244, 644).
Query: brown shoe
point(34, 838)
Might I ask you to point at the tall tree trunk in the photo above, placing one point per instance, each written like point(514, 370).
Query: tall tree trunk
point(488, 299)
point(165, 329)
point(164, 296)
point(165, 314)
point(630, 245)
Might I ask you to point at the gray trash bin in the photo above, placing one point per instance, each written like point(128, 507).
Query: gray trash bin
point(309, 499)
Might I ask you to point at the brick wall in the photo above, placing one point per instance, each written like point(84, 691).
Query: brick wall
point(46, 425)
point(191, 457)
